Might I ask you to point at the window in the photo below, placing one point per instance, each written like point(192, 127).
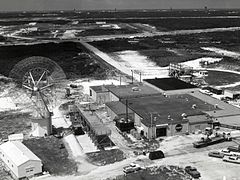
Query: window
point(28, 170)
point(90, 92)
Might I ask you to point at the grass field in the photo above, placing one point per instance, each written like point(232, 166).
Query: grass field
point(157, 173)
point(14, 122)
point(98, 31)
point(4, 175)
point(223, 78)
point(55, 159)
point(106, 157)
point(72, 57)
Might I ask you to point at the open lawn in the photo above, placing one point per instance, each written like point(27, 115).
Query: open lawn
point(4, 175)
point(54, 156)
point(98, 32)
point(14, 122)
point(217, 78)
point(101, 158)
point(72, 57)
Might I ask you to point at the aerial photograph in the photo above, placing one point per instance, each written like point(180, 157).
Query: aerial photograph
point(119, 90)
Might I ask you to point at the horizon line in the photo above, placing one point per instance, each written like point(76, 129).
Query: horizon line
point(116, 10)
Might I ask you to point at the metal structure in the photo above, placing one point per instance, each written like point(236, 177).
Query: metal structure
point(38, 76)
point(177, 70)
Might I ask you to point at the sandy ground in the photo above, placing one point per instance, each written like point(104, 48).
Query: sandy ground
point(195, 64)
point(223, 52)
point(122, 63)
point(132, 60)
point(6, 103)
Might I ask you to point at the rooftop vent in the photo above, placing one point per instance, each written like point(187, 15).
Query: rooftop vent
point(184, 115)
point(194, 106)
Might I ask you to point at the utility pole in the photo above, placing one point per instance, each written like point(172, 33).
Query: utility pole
point(152, 119)
point(126, 110)
point(140, 77)
point(132, 76)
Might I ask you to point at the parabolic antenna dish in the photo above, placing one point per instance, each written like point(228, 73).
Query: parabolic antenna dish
point(36, 65)
point(38, 77)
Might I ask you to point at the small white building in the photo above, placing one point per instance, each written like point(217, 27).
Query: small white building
point(19, 160)
point(16, 137)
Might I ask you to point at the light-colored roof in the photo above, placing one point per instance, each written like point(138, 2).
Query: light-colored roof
point(17, 152)
point(94, 122)
point(15, 137)
point(133, 91)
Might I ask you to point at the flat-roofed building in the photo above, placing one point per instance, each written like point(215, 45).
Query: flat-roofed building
point(19, 160)
point(170, 115)
point(171, 85)
point(118, 93)
point(100, 94)
point(117, 109)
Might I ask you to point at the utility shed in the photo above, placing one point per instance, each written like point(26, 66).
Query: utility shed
point(19, 160)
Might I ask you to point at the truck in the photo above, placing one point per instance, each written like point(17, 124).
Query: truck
point(192, 171)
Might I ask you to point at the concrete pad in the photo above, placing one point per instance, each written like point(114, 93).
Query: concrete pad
point(86, 143)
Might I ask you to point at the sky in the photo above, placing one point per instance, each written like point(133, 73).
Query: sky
point(26, 5)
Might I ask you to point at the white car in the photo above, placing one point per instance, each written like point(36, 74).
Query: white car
point(233, 159)
point(131, 168)
point(227, 152)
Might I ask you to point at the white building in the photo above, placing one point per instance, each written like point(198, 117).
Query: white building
point(19, 160)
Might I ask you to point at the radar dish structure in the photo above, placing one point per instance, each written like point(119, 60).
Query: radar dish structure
point(38, 76)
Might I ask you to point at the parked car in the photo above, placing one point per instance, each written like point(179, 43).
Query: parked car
point(234, 148)
point(156, 155)
point(131, 168)
point(232, 159)
point(216, 154)
point(226, 152)
point(192, 171)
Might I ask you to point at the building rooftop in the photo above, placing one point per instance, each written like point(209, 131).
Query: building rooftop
point(94, 122)
point(102, 88)
point(18, 152)
point(225, 108)
point(118, 107)
point(169, 108)
point(133, 91)
point(167, 84)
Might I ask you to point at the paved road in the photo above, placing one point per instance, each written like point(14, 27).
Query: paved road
point(157, 33)
point(210, 168)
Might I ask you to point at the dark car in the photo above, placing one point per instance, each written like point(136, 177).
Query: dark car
point(156, 155)
point(216, 154)
point(234, 148)
point(192, 171)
